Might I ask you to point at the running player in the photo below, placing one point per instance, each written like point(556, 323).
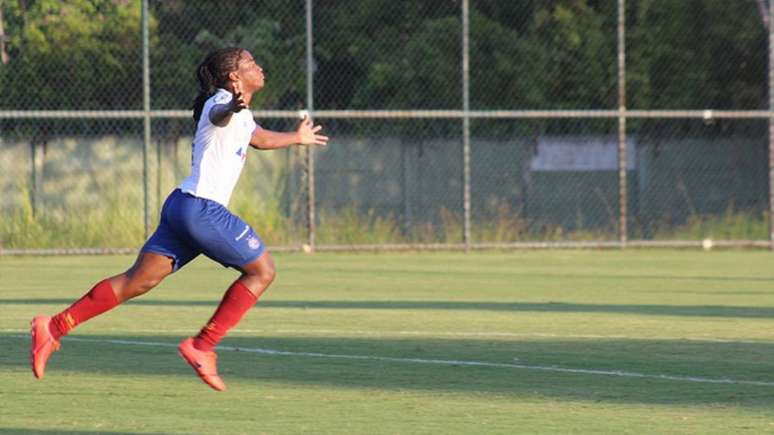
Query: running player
point(195, 220)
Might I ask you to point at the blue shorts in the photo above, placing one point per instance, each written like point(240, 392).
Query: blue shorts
point(191, 226)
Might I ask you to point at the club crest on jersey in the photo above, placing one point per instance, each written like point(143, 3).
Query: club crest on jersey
point(253, 242)
point(241, 153)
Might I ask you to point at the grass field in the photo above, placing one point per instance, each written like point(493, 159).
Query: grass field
point(445, 343)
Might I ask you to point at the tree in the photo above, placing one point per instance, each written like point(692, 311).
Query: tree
point(696, 54)
point(186, 31)
point(80, 54)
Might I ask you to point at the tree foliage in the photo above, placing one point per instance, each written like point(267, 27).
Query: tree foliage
point(392, 54)
point(76, 54)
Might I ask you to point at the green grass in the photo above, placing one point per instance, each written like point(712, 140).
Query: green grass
point(707, 315)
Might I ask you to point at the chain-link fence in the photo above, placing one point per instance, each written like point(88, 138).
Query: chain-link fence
point(459, 124)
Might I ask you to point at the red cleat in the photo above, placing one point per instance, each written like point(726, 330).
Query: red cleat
point(43, 345)
point(204, 363)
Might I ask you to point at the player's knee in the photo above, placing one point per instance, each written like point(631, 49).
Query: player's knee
point(262, 276)
point(142, 285)
point(267, 274)
point(150, 282)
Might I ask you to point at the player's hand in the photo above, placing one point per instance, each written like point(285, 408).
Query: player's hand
point(308, 133)
point(237, 100)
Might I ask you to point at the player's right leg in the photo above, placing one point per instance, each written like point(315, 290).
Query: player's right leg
point(163, 253)
point(149, 269)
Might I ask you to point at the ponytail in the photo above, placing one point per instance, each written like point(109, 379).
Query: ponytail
point(212, 74)
point(206, 89)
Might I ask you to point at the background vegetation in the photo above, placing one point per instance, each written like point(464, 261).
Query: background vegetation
point(396, 180)
point(372, 54)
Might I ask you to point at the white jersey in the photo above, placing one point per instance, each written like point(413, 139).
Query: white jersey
point(219, 153)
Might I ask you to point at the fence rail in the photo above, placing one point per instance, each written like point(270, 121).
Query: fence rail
point(404, 114)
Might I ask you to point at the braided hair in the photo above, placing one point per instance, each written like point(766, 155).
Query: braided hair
point(212, 74)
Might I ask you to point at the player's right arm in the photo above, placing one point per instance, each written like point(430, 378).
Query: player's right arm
point(220, 114)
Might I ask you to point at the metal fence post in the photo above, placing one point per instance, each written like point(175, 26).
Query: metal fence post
point(310, 197)
point(466, 123)
point(622, 192)
point(771, 124)
point(37, 150)
point(146, 118)
point(159, 159)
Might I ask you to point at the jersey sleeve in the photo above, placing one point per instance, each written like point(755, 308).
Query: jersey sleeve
point(221, 98)
point(218, 98)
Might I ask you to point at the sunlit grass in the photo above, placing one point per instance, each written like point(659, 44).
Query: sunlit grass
point(367, 344)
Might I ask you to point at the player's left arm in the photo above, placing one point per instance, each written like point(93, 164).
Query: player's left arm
point(306, 134)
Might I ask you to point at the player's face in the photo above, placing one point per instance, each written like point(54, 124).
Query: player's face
point(250, 73)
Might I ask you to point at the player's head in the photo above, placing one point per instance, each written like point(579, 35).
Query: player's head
point(249, 75)
point(226, 68)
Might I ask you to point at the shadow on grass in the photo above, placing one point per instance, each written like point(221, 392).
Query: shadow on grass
point(516, 273)
point(20, 431)
point(526, 307)
point(413, 364)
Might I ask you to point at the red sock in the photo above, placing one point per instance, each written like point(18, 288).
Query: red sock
point(98, 300)
point(235, 303)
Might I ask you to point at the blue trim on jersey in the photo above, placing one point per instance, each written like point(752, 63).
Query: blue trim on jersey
point(191, 226)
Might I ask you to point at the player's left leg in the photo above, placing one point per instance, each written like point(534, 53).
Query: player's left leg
point(199, 351)
point(240, 297)
point(227, 239)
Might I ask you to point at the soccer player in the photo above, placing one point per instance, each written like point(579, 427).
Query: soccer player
point(195, 220)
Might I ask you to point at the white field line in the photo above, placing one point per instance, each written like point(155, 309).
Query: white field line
point(618, 373)
point(371, 333)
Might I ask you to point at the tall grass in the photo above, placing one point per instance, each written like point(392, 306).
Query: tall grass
point(93, 198)
point(92, 195)
point(112, 224)
point(350, 226)
point(107, 224)
point(729, 225)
